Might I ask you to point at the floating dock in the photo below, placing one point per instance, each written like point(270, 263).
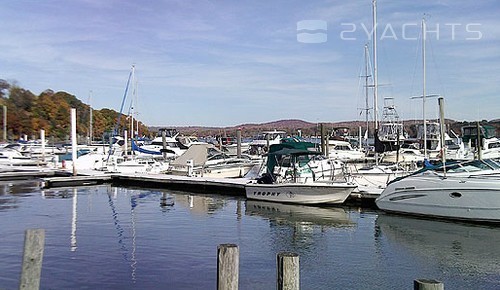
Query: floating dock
point(79, 180)
point(25, 174)
point(223, 186)
point(229, 186)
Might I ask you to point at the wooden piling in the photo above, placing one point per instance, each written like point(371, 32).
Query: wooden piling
point(287, 270)
point(322, 134)
point(164, 142)
point(74, 148)
point(427, 284)
point(34, 241)
point(238, 143)
point(227, 266)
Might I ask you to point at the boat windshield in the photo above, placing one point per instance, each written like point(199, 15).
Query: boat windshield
point(470, 166)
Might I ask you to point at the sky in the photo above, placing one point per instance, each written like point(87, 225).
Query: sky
point(224, 63)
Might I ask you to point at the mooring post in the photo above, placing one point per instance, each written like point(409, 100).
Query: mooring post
point(427, 284)
point(228, 262)
point(238, 143)
point(74, 142)
point(164, 143)
point(287, 269)
point(322, 134)
point(34, 241)
point(125, 137)
point(42, 140)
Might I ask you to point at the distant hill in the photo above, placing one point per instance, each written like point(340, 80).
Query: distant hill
point(28, 113)
point(292, 126)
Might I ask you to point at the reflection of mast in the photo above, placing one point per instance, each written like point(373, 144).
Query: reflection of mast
point(119, 229)
point(132, 259)
point(73, 221)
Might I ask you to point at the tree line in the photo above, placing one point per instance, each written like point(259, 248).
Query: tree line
point(28, 113)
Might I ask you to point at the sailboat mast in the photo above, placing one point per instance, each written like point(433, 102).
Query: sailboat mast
point(132, 103)
point(91, 134)
point(423, 87)
point(136, 106)
point(375, 72)
point(367, 105)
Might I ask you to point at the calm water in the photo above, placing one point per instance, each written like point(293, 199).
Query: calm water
point(106, 237)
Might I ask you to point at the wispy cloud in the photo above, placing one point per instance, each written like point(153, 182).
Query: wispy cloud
point(231, 62)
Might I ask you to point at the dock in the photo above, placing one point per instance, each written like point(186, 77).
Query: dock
point(52, 178)
point(78, 180)
point(25, 174)
point(223, 186)
point(227, 186)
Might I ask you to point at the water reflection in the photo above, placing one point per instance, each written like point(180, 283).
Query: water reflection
point(467, 248)
point(199, 204)
point(11, 191)
point(73, 220)
point(298, 228)
point(299, 214)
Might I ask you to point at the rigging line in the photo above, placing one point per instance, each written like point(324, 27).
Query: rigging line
point(360, 86)
point(115, 131)
point(123, 101)
point(361, 83)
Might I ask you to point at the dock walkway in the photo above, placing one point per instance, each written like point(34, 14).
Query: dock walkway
point(223, 186)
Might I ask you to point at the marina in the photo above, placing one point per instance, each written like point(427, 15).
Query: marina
point(214, 194)
point(107, 236)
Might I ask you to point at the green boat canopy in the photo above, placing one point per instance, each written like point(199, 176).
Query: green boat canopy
point(294, 149)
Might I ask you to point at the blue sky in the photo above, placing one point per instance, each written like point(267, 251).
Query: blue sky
point(224, 63)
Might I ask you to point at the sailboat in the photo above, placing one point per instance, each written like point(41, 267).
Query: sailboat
point(372, 179)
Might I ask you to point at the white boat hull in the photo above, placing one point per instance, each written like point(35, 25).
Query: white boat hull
point(308, 193)
point(474, 198)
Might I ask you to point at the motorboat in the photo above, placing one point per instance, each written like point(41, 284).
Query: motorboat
point(11, 157)
point(342, 150)
point(204, 159)
point(261, 143)
point(488, 145)
point(464, 191)
point(373, 179)
point(300, 193)
point(403, 155)
point(291, 187)
point(168, 145)
point(119, 164)
point(229, 145)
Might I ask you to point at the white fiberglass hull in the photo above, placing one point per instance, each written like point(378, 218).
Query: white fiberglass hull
point(217, 171)
point(301, 193)
point(473, 199)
